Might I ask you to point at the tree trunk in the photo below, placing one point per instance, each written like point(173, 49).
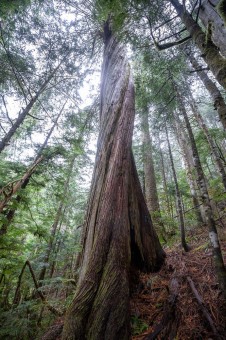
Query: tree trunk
point(151, 193)
point(213, 147)
point(10, 213)
point(208, 13)
point(178, 198)
point(218, 100)
point(189, 165)
point(118, 231)
point(5, 141)
point(168, 203)
point(210, 53)
point(213, 235)
point(55, 224)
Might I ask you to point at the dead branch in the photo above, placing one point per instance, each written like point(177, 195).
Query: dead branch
point(202, 307)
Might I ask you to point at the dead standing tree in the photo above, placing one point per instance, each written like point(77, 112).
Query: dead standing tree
point(118, 231)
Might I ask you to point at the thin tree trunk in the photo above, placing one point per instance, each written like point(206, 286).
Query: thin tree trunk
point(58, 217)
point(5, 141)
point(178, 198)
point(24, 182)
point(210, 52)
point(208, 13)
point(213, 147)
point(169, 206)
point(188, 161)
point(118, 231)
point(151, 193)
point(213, 235)
point(218, 100)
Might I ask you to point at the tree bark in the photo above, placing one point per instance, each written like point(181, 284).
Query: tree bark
point(208, 13)
point(218, 100)
point(118, 231)
point(210, 53)
point(213, 234)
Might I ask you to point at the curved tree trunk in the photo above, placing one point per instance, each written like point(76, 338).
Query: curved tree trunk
point(208, 13)
point(218, 100)
point(118, 231)
point(150, 187)
point(210, 52)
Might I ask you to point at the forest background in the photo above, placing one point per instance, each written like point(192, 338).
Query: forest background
point(51, 56)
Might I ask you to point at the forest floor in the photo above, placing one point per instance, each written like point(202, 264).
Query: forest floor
point(165, 304)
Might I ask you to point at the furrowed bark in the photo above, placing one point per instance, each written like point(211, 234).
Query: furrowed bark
point(218, 100)
point(210, 53)
point(100, 308)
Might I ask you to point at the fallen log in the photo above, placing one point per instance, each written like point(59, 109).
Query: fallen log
point(203, 308)
point(168, 324)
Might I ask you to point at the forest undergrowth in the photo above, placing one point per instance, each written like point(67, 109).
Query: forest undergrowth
point(164, 306)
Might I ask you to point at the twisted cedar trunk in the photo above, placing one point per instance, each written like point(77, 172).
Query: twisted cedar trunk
point(208, 13)
point(218, 100)
point(178, 198)
point(118, 231)
point(23, 183)
point(210, 52)
point(150, 187)
point(209, 216)
point(213, 147)
point(189, 165)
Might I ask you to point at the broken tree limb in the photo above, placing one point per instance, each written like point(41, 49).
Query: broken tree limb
point(202, 307)
point(169, 316)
